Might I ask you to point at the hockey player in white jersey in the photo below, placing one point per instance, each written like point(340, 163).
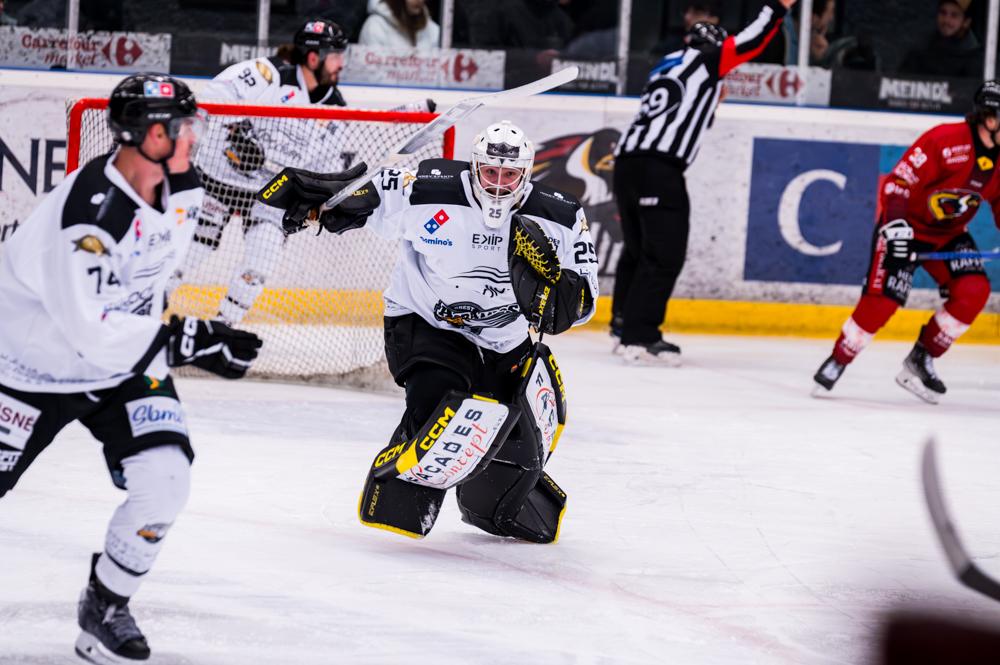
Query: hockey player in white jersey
point(81, 298)
point(484, 255)
point(235, 160)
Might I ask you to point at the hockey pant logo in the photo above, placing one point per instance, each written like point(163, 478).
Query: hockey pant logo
point(155, 414)
point(473, 317)
point(17, 422)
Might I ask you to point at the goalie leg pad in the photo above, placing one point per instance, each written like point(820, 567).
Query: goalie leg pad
point(396, 505)
point(409, 477)
point(400, 507)
point(514, 497)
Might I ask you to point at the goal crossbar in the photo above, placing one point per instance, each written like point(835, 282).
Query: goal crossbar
point(81, 106)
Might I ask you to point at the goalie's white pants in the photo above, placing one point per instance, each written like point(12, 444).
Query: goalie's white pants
point(261, 251)
point(158, 481)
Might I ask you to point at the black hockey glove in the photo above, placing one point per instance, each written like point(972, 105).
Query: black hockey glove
point(898, 236)
point(212, 346)
point(352, 212)
point(300, 193)
point(552, 298)
point(244, 153)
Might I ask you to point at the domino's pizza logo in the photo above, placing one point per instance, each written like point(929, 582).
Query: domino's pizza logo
point(158, 89)
point(436, 222)
point(314, 27)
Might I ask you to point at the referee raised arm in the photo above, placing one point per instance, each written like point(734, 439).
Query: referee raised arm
point(677, 106)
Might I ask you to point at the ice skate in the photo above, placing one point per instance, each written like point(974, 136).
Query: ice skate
point(918, 375)
point(660, 352)
point(616, 336)
point(827, 376)
point(108, 631)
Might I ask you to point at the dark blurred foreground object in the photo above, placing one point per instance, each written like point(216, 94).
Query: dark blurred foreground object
point(912, 637)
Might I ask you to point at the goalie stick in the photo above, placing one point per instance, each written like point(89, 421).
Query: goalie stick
point(437, 127)
point(967, 572)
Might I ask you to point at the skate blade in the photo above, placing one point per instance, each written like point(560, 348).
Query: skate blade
point(644, 359)
point(912, 383)
point(819, 390)
point(91, 650)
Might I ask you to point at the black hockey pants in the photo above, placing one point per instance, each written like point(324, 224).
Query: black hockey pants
point(653, 202)
point(428, 362)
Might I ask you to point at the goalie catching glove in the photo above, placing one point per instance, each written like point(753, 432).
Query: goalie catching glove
point(300, 194)
point(552, 298)
point(212, 346)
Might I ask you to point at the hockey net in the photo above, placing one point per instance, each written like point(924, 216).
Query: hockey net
point(320, 314)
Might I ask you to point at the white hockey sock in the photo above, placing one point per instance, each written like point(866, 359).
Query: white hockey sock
point(855, 338)
point(261, 251)
point(157, 480)
point(950, 327)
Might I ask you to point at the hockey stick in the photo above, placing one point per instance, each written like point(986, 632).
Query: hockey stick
point(950, 256)
point(967, 572)
point(437, 127)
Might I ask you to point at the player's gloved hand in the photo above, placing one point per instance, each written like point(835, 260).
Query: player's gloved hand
point(211, 345)
point(244, 152)
point(898, 236)
point(300, 193)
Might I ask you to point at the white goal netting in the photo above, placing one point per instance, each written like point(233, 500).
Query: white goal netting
point(320, 312)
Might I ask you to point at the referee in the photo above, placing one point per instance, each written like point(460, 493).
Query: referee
point(677, 105)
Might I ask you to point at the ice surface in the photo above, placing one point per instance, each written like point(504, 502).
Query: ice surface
point(717, 515)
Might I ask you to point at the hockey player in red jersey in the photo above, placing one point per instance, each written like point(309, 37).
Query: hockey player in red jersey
point(925, 205)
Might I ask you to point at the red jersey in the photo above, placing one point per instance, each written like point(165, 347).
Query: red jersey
point(940, 183)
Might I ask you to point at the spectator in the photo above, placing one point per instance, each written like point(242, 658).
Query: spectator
point(595, 29)
point(6, 20)
point(399, 24)
point(952, 50)
point(784, 48)
point(527, 24)
point(701, 11)
point(819, 28)
point(696, 11)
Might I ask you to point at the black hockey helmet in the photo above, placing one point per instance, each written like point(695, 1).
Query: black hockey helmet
point(142, 100)
point(706, 35)
point(987, 99)
point(321, 35)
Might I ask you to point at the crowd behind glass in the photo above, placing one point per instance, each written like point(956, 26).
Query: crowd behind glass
point(943, 38)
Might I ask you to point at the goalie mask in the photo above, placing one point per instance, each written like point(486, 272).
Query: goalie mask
point(501, 167)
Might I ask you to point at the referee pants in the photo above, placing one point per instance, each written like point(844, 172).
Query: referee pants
point(655, 215)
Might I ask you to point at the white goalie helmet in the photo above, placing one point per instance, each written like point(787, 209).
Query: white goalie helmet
point(502, 158)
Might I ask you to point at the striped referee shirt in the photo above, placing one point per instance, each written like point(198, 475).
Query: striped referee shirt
point(680, 97)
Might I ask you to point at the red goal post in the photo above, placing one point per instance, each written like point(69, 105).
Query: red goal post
point(320, 311)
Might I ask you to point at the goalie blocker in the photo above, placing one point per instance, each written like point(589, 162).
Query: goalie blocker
point(493, 453)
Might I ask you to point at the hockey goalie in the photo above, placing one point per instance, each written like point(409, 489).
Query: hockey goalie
point(485, 254)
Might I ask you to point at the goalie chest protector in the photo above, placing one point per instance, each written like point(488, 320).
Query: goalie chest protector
point(547, 203)
point(439, 182)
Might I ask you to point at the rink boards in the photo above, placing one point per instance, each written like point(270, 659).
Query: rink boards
point(363, 308)
point(782, 201)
